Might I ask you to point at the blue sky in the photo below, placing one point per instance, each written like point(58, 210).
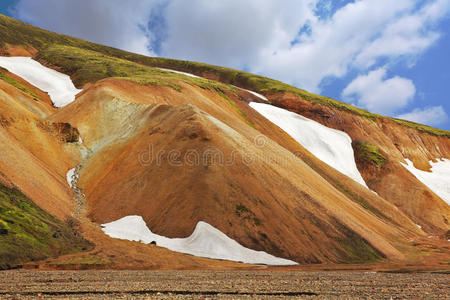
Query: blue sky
point(390, 57)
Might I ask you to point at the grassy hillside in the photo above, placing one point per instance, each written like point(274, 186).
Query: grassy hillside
point(70, 54)
point(90, 66)
point(28, 233)
point(368, 154)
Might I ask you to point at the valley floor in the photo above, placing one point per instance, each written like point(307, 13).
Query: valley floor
point(22, 284)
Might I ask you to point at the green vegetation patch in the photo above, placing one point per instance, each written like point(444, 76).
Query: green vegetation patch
point(28, 233)
point(90, 260)
point(243, 212)
point(422, 128)
point(352, 247)
point(368, 154)
point(363, 202)
point(90, 66)
point(241, 209)
point(8, 79)
point(358, 250)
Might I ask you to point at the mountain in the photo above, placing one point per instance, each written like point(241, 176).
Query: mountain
point(202, 159)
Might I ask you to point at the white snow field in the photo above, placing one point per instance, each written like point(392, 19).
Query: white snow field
point(438, 180)
point(205, 241)
point(69, 176)
point(59, 86)
point(332, 146)
point(179, 72)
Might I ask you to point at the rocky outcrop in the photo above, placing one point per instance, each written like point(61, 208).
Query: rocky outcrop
point(63, 131)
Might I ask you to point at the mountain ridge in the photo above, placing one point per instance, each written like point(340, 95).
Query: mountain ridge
point(29, 34)
point(285, 201)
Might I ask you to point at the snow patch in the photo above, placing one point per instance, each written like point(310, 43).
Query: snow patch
point(205, 241)
point(179, 72)
point(59, 86)
point(438, 180)
point(70, 176)
point(332, 146)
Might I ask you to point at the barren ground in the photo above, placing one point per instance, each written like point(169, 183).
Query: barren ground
point(23, 284)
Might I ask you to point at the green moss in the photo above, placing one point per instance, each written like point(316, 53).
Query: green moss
point(90, 66)
point(30, 233)
point(422, 128)
point(361, 201)
point(5, 77)
point(357, 250)
point(241, 209)
point(246, 214)
point(143, 80)
point(106, 65)
point(367, 153)
point(84, 260)
point(352, 248)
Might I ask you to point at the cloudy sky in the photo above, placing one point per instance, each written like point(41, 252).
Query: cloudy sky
point(390, 57)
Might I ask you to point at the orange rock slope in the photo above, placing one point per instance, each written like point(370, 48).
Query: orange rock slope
point(178, 158)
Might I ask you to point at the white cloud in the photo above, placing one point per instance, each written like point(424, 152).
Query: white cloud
point(431, 116)
point(409, 35)
point(380, 95)
point(113, 22)
point(333, 44)
point(256, 35)
point(357, 35)
point(232, 32)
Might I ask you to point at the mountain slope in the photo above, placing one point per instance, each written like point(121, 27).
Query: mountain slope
point(177, 149)
point(395, 142)
point(215, 184)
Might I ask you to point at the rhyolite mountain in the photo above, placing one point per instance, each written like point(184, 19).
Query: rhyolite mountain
point(208, 145)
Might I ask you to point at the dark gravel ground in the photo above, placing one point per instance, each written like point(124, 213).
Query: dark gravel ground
point(21, 284)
